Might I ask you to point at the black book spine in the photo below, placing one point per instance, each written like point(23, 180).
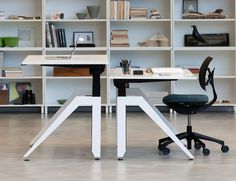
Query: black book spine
point(59, 38)
point(63, 37)
point(51, 34)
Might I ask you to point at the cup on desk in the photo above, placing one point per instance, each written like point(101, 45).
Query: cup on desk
point(125, 65)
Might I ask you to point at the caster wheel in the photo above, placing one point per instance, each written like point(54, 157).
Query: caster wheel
point(225, 149)
point(206, 152)
point(165, 151)
point(197, 146)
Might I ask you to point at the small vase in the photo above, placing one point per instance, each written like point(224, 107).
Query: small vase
point(93, 11)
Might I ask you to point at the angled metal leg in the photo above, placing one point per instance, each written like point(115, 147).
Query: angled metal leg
point(70, 105)
point(140, 100)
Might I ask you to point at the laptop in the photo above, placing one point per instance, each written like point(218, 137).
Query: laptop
point(62, 57)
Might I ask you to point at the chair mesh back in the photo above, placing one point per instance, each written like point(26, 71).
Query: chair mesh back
point(203, 72)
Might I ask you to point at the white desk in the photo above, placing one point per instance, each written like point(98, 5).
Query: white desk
point(96, 64)
point(135, 97)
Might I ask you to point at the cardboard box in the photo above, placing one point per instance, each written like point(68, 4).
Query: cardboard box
point(61, 71)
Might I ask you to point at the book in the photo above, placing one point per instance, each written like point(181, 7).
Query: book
point(12, 72)
point(48, 36)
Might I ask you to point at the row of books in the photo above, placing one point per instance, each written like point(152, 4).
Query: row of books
point(119, 9)
point(119, 38)
point(138, 13)
point(55, 37)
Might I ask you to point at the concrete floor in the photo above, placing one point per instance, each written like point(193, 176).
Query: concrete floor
point(66, 154)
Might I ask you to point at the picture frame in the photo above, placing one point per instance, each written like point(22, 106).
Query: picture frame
point(220, 39)
point(190, 6)
point(83, 38)
point(26, 37)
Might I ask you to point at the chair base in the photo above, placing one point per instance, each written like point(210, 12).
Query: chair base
point(189, 136)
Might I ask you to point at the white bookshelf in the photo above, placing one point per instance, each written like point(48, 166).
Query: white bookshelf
point(49, 89)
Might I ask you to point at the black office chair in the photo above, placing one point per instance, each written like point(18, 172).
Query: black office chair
point(191, 104)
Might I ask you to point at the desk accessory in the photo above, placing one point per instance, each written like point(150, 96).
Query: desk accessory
point(138, 72)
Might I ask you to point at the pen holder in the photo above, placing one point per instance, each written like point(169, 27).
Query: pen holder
point(125, 67)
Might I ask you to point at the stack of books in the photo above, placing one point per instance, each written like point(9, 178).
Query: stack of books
point(119, 38)
point(119, 9)
point(138, 13)
point(55, 37)
point(12, 72)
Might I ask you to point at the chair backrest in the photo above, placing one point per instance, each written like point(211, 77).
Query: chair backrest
point(204, 73)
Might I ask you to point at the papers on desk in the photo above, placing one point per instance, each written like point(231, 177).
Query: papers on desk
point(164, 71)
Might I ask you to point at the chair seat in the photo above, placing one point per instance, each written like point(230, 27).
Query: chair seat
point(196, 99)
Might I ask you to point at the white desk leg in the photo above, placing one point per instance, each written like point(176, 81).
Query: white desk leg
point(96, 128)
point(161, 121)
point(69, 106)
point(152, 112)
point(121, 127)
point(57, 114)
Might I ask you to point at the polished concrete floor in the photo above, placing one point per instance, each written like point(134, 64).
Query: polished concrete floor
point(66, 154)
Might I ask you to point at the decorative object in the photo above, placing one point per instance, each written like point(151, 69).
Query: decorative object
point(1, 42)
point(57, 16)
point(81, 15)
point(93, 11)
point(11, 41)
point(156, 40)
point(190, 6)
point(220, 39)
point(16, 91)
point(28, 97)
point(197, 36)
point(61, 101)
point(155, 14)
point(83, 39)
point(217, 14)
point(26, 37)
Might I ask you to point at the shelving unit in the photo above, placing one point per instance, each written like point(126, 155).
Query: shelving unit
point(48, 88)
point(223, 57)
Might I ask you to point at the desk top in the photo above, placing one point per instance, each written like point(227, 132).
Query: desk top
point(116, 73)
point(75, 60)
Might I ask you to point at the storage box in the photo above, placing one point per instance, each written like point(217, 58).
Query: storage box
point(61, 71)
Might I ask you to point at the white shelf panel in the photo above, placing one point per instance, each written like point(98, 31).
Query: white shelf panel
point(204, 20)
point(59, 105)
point(225, 76)
point(77, 49)
point(79, 77)
point(76, 20)
point(21, 105)
point(24, 49)
point(21, 21)
point(139, 48)
point(21, 78)
point(203, 48)
point(140, 20)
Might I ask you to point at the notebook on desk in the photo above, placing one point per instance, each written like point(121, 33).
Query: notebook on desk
point(167, 71)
